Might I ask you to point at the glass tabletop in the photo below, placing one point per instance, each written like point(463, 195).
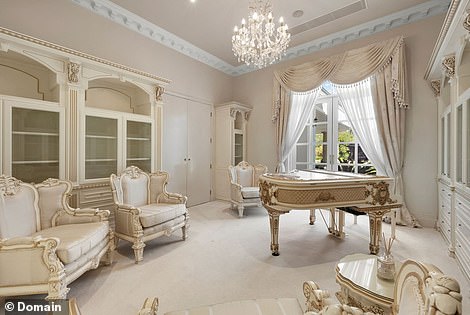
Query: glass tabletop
point(362, 270)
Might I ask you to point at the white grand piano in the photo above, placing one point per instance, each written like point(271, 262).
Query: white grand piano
point(316, 189)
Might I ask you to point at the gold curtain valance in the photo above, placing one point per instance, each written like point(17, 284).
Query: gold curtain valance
point(346, 68)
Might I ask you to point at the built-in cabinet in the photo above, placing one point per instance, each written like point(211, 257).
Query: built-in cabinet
point(33, 138)
point(230, 130)
point(449, 76)
point(65, 114)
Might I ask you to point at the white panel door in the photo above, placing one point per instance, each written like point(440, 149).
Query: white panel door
point(187, 148)
point(199, 153)
point(175, 142)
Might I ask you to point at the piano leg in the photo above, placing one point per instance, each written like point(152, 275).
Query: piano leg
point(274, 226)
point(375, 228)
point(313, 217)
point(336, 227)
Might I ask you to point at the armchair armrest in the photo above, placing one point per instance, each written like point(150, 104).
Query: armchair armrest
point(167, 197)
point(36, 253)
point(76, 216)
point(316, 298)
point(236, 192)
point(127, 220)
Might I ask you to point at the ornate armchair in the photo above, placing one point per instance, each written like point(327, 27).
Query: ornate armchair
point(45, 244)
point(145, 210)
point(420, 289)
point(244, 188)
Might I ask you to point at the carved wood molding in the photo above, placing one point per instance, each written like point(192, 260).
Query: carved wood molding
point(436, 87)
point(448, 65)
point(73, 69)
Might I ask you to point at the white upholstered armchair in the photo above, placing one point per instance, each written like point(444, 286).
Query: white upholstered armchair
point(145, 210)
point(244, 186)
point(45, 244)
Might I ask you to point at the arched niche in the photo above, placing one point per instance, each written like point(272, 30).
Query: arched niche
point(24, 77)
point(113, 94)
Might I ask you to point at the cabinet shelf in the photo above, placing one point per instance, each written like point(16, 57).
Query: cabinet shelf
point(100, 137)
point(28, 133)
point(35, 162)
point(139, 139)
point(139, 159)
point(100, 160)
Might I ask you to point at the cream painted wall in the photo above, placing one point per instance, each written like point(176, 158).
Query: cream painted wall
point(420, 170)
point(70, 25)
point(64, 23)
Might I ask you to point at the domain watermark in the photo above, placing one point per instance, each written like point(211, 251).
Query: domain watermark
point(36, 307)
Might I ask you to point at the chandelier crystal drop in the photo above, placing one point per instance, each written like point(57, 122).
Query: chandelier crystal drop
point(259, 42)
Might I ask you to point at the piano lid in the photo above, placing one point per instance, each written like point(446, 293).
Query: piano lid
point(319, 175)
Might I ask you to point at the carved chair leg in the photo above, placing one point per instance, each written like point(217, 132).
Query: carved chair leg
point(184, 229)
point(138, 248)
point(57, 286)
point(240, 210)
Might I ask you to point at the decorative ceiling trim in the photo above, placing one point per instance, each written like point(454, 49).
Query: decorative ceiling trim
point(138, 24)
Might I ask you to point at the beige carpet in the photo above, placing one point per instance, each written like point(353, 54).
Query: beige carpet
point(227, 258)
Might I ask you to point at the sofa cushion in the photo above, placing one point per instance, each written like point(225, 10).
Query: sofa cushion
point(76, 239)
point(250, 192)
point(157, 213)
point(281, 306)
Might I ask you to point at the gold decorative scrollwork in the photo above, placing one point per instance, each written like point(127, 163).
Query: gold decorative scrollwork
point(159, 90)
point(436, 87)
point(267, 192)
point(9, 185)
point(132, 171)
point(378, 194)
point(448, 65)
point(366, 308)
point(73, 70)
point(325, 196)
point(466, 22)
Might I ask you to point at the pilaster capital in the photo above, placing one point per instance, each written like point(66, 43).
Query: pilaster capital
point(436, 87)
point(73, 71)
point(159, 90)
point(448, 66)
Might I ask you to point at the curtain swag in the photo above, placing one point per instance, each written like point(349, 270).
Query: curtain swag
point(344, 69)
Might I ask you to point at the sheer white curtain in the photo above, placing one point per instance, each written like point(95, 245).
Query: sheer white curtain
point(361, 109)
point(301, 105)
point(358, 105)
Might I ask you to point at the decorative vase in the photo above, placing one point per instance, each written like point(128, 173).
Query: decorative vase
point(386, 267)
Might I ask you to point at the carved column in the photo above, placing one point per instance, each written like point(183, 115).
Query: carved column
point(157, 114)
point(73, 92)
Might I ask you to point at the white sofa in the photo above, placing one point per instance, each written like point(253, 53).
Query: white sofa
point(145, 210)
point(244, 185)
point(45, 244)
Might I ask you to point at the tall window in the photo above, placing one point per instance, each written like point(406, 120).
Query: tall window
point(328, 141)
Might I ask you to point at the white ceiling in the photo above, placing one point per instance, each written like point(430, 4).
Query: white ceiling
point(203, 29)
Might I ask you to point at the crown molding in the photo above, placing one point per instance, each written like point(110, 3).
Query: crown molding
point(138, 24)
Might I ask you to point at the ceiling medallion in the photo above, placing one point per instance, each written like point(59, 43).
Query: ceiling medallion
point(259, 42)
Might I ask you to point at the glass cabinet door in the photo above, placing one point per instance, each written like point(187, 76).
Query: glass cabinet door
point(238, 157)
point(139, 144)
point(459, 145)
point(35, 144)
point(101, 137)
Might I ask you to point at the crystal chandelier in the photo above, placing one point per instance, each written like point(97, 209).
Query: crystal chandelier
point(259, 42)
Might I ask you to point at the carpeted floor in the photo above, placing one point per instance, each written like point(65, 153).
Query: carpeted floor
point(227, 258)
